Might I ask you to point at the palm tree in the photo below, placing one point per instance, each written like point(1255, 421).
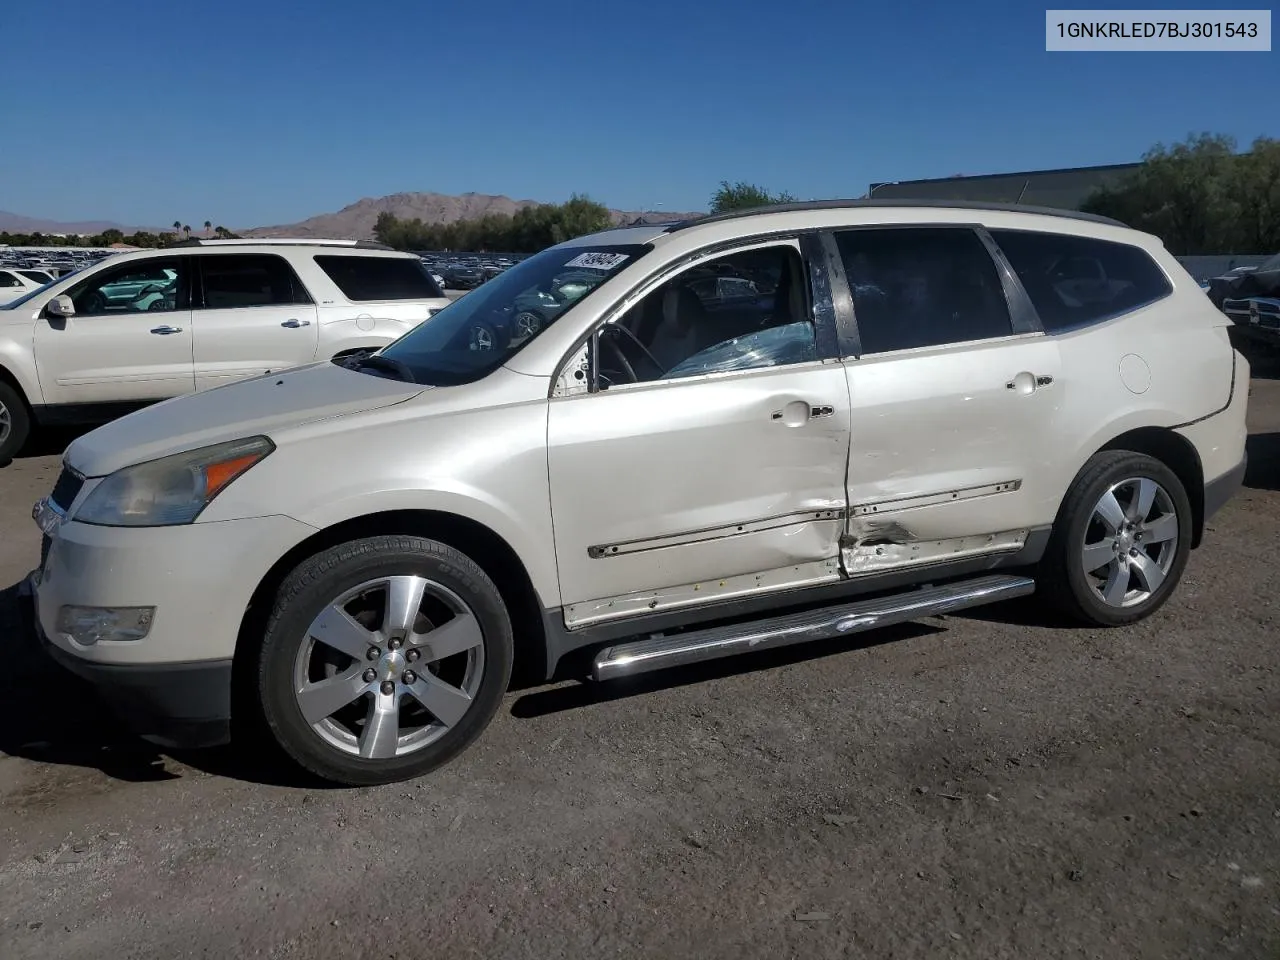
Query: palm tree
point(177, 226)
point(186, 228)
point(208, 225)
point(220, 231)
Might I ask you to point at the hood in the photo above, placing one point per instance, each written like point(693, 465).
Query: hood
point(245, 408)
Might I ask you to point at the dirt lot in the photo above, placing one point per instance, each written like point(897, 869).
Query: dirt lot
point(982, 786)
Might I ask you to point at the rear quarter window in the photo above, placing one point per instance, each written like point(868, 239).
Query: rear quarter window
point(379, 278)
point(1078, 281)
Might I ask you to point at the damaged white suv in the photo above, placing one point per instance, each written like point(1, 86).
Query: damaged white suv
point(748, 430)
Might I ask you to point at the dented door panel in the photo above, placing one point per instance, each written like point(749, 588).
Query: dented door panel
point(953, 451)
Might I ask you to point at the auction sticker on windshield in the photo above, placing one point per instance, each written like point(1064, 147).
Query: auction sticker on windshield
point(599, 260)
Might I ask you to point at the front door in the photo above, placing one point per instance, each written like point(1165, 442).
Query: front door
point(251, 315)
point(130, 338)
point(953, 451)
point(710, 463)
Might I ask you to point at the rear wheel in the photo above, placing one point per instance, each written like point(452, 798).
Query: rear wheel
point(1121, 542)
point(15, 422)
point(383, 659)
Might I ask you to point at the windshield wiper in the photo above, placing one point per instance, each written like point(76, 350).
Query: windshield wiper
point(401, 371)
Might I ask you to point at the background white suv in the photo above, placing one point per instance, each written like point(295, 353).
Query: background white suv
point(146, 326)
point(745, 431)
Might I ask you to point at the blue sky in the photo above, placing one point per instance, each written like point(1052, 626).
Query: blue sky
point(251, 113)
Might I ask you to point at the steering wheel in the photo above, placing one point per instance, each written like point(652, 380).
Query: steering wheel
point(621, 357)
point(643, 349)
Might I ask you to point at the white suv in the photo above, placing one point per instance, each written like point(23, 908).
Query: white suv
point(751, 430)
point(146, 326)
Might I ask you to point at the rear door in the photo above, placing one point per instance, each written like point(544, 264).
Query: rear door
point(956, 395)
point(130, 338)
point(251, 315)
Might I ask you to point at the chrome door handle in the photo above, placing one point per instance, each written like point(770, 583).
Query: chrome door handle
point(1027, 382)
point(296, 323)
point(165, 330)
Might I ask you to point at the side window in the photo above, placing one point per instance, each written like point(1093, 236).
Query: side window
point(9, 280)
point(248, 280)
point(379, 278)
point(738, 312)
point(146, 286)
point(922, 287)
point(1074, 281)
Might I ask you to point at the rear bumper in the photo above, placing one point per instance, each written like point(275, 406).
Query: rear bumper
point(176, 705)
point(1218, 492)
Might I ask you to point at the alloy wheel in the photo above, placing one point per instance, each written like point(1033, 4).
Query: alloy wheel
point(1130, 542)
point(389, 667)
point(6, 423)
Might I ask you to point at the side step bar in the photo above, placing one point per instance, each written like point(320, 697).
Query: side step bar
point(657, 653)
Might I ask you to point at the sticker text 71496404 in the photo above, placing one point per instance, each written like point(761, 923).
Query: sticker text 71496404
point(598, 260)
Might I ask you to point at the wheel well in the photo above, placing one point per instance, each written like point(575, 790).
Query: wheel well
point(12, 381)
point(1179, 455)
point(477, 541)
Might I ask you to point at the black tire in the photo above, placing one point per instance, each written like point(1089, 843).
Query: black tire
point(1062, 577)
point(315, 584)
point(15, 422)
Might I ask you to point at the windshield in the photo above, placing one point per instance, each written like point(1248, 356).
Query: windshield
point(480, 331)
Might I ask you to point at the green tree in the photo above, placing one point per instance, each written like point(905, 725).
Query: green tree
point(208, 225)
point(744, 196)
point(186, 229)
point(1201, 196)
point(177, 226)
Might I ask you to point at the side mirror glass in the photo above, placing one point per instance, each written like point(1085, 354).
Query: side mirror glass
point(61, 306)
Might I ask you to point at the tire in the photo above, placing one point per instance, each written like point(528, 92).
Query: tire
point(15, 422)
point(1135, 575)
point(383, 731)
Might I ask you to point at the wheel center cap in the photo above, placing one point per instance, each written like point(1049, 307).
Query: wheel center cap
point(391, 665)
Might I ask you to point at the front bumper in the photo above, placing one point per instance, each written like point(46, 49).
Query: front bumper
point(172, 686)
point(175, 705)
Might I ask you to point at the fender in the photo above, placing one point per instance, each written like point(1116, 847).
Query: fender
point(17, 363)
point(528, 536)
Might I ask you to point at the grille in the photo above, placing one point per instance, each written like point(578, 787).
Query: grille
point(66, 489)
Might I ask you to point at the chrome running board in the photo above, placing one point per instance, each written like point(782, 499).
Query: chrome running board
point(657, 653)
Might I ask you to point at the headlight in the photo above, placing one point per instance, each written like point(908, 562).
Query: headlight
point(172, 490)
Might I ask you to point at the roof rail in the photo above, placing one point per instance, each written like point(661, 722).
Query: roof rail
point(882, 203)
point(282, 241)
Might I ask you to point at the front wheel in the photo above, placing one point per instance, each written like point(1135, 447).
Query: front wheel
point(384, 658)
point(15, 423)
point(1121, 541)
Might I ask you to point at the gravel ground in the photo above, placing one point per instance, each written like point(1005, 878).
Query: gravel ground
point(985, 786)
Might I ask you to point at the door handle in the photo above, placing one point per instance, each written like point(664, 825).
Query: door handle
point(296, 323)
point(166, 329)
point(798, 412)
point(1027, 382)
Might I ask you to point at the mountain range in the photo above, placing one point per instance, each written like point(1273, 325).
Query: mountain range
point(352, 222)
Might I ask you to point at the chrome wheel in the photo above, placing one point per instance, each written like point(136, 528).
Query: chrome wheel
point(6, 423)
point(481, 338)
point(389, 667)
point(1130, 542)
point(527, 324)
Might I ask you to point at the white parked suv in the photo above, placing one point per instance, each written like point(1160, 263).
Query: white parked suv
point(884, 411)
point(146, 326)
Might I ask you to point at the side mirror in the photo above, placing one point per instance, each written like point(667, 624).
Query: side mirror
point(61, 306)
